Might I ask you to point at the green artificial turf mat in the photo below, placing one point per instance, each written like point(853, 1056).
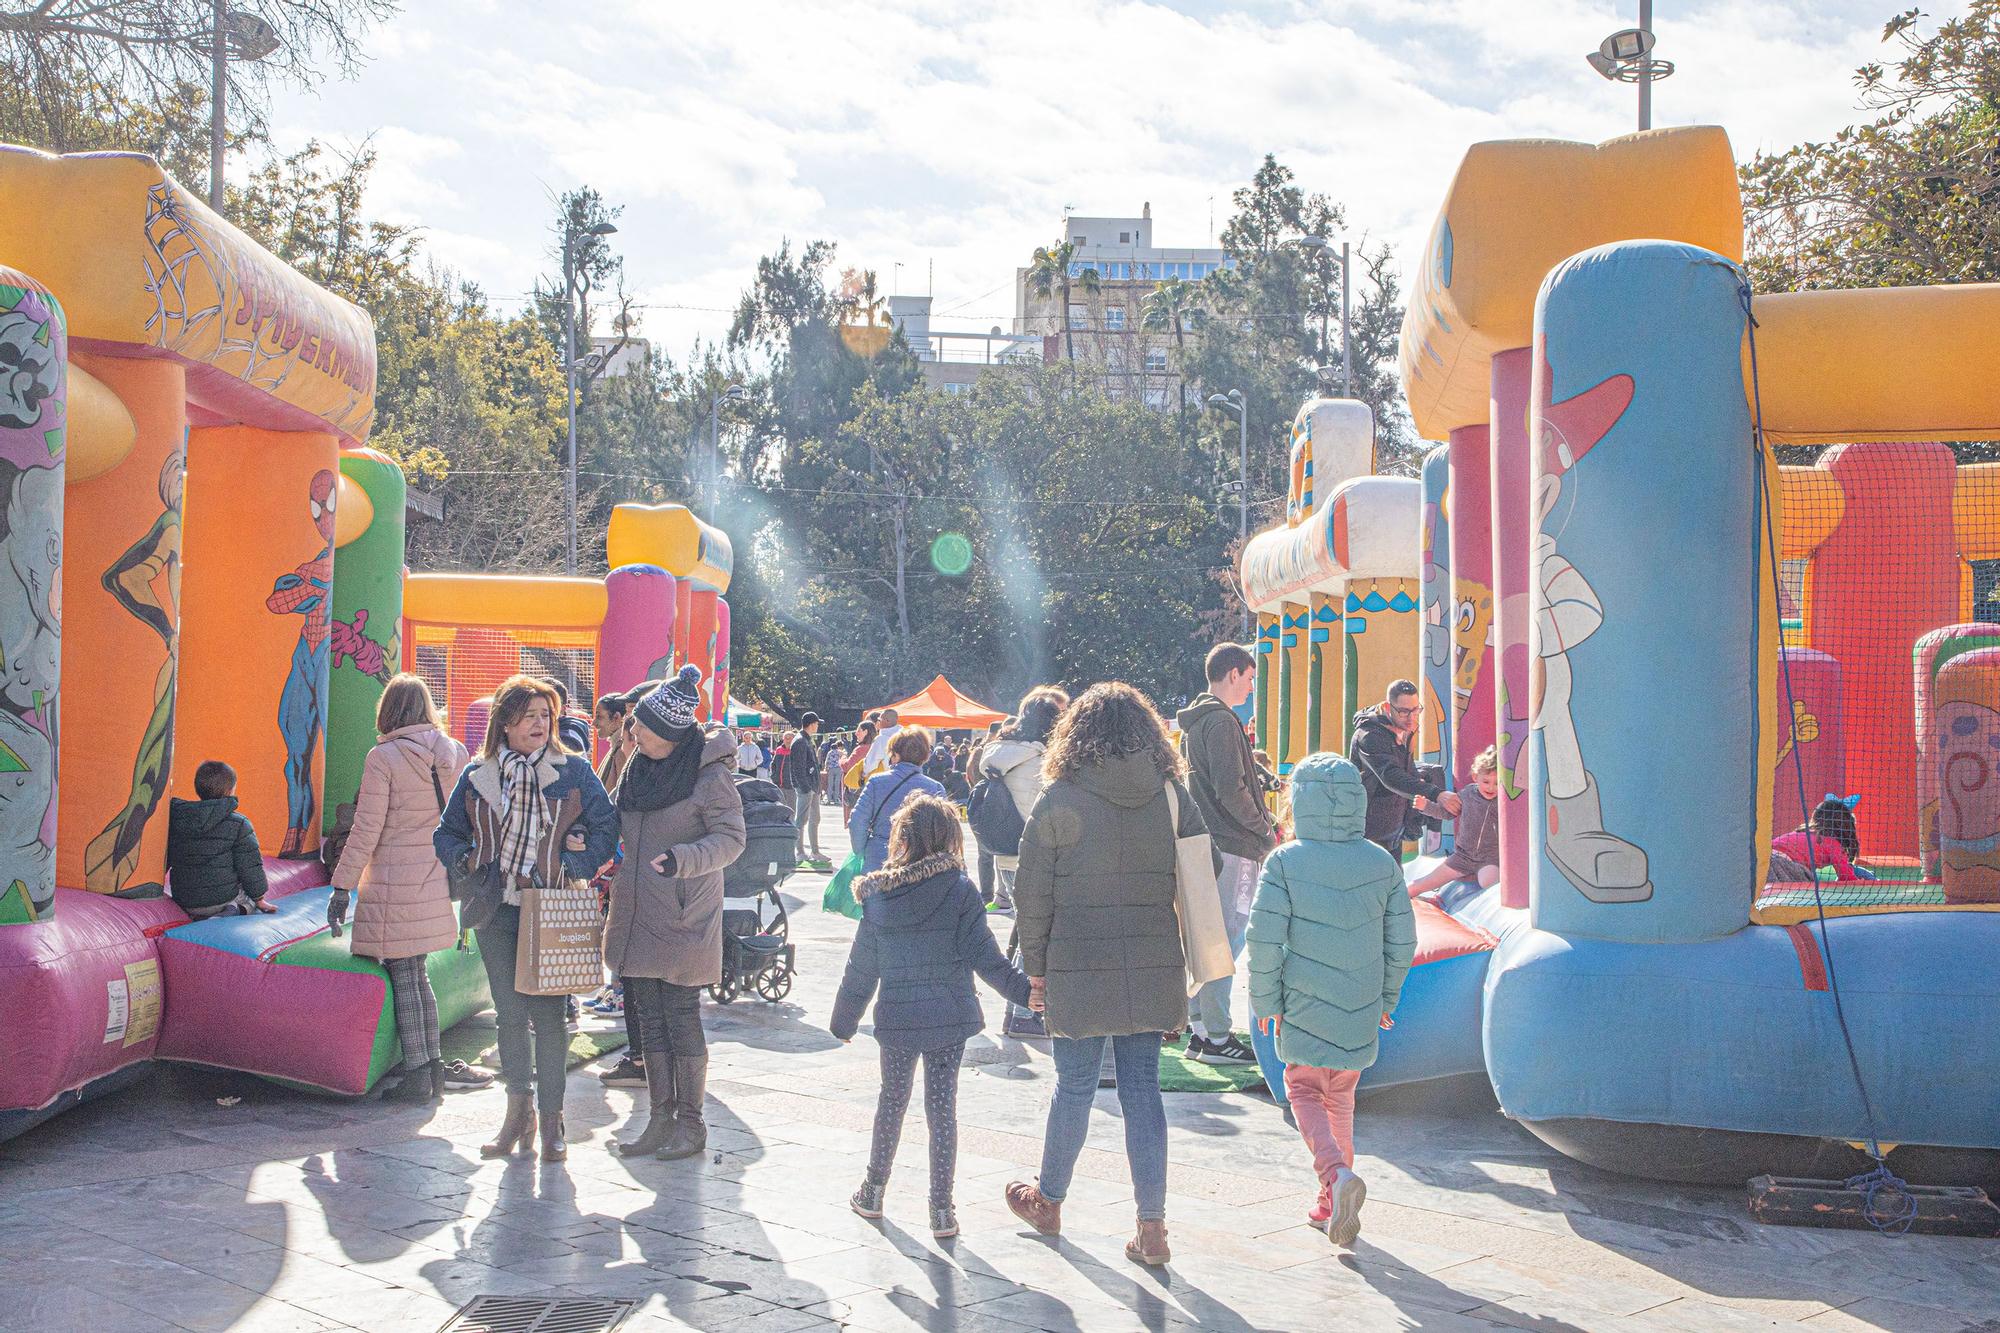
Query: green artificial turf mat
point(477, 1039)
point(1180, 1074)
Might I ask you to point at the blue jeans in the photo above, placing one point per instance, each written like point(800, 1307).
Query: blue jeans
point(1211, 1002)
point(1138, 1060)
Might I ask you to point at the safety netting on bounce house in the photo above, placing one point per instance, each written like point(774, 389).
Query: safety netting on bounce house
point(1889, 590)
point(464, 664)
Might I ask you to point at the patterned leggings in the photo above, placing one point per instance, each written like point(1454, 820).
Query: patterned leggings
point(416, 1010)
point(899, 1071)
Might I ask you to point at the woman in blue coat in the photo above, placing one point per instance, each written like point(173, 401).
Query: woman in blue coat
point(923, 935)
point(526, 810)
point(868, 826)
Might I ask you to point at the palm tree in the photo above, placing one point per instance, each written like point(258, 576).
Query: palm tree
point(1172, 305)
point(1048, 275)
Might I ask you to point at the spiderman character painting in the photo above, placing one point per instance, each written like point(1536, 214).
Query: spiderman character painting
point(306, 591)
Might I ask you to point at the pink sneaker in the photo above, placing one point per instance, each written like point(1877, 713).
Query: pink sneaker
point(1322, 1211)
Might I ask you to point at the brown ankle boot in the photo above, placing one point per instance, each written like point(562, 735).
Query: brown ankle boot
point(1149, 1247)
point(555, 1148)
point(517, 1130)
point(1035, 1208)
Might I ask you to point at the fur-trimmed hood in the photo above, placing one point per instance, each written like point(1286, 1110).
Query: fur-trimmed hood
point(891, 878)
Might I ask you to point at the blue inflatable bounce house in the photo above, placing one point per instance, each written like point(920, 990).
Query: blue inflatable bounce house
point(1635, 593)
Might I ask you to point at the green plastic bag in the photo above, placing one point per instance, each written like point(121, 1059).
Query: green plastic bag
point(839, 896)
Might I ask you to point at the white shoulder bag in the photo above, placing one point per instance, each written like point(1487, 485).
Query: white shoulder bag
point(1198, 902)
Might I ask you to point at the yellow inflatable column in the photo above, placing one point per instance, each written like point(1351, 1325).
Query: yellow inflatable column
point(1266, 707)
point(121, 603)
point(1329, 673)
point(1295, 669)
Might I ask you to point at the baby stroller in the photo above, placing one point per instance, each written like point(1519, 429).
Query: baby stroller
point(757, 954)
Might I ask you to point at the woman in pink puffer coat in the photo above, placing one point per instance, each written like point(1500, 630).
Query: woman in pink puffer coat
point(405, 911)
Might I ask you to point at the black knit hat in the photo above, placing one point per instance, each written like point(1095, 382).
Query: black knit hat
point(669, 711)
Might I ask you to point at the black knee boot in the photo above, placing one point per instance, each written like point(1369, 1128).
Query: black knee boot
point(660, 1125)
point(690, 1134)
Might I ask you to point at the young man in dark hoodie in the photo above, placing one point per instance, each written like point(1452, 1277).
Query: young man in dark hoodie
point(1222, 774)
point(1395, 783)
point(213, 865)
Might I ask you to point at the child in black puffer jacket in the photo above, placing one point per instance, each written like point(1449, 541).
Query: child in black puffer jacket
point(923, 935)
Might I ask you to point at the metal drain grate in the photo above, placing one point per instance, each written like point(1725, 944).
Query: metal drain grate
point(540, 1314)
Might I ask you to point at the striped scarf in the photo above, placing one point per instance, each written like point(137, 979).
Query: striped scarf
point(524, 817)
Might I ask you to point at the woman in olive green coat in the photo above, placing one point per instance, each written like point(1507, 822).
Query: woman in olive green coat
point(1100, 940)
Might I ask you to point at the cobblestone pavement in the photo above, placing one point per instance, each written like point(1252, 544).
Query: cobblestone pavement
point(158, 1208)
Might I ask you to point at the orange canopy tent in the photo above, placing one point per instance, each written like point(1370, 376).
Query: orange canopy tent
point(939, 705)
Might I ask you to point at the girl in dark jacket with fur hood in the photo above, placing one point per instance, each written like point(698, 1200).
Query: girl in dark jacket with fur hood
point(923, 935)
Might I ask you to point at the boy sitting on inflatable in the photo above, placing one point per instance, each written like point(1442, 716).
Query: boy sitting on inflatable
point(213, 866)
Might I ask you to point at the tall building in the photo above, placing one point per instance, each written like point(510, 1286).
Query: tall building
point(1106, 326)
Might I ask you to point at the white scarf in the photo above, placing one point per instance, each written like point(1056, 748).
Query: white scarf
point(524, 816)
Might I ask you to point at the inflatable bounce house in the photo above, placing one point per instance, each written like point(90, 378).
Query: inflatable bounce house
point(1680, 647)
point(205, 561)
point(660, 606)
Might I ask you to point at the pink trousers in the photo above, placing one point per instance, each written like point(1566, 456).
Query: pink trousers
point(1323, 1104)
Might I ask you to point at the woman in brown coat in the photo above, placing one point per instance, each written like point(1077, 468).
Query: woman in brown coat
point(405, 911)
point(682, 823)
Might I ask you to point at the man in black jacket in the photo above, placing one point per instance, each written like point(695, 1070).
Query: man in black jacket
point(1395, 784)
point(802, 778)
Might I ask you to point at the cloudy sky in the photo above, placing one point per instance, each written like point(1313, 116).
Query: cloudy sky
point(948, 138)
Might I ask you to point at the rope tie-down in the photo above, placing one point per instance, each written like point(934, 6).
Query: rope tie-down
point(1887, 1203)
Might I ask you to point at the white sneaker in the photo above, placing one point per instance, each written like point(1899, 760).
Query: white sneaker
point(1349, 1193)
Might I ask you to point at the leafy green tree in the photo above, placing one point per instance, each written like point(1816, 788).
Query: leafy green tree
point(1911, 197)
point(77, 72)
point(1272, 331)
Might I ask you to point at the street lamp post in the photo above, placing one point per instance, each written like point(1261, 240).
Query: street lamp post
point(1626, 56)
point(569, 372)
point(735, 393)
point(233, 35)
point(1322, 245)
point(1232, 404)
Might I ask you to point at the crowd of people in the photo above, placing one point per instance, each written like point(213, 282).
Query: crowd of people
point(1093, 822)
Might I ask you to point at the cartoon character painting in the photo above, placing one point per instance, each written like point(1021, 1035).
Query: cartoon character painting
point(146, 581)
point(1604, 868)
point(306, 591)
point(1967, 699)
point(33, 422)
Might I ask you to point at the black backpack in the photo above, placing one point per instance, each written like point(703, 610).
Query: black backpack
point(996, 821)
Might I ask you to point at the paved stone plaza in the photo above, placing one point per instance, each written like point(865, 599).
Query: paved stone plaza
point(159, 1208)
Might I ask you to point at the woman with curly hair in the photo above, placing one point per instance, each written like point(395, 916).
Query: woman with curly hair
point(1101, 943)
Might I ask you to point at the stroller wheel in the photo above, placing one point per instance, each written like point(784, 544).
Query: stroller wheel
point(724, 990)
point(775, 984)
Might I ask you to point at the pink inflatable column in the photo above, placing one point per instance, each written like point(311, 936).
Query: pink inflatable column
point(721, 676)
point(1472, 659)
point(1813, 751)
point(1931, 653)
point(637, 641)
point(1513, 552)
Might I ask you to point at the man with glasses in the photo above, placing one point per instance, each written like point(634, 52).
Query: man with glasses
point(1398, 787)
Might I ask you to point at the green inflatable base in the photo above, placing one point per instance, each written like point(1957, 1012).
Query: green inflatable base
point(457, 976)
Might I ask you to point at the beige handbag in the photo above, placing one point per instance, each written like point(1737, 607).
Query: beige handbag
point(1198, 902)
point(561, 945)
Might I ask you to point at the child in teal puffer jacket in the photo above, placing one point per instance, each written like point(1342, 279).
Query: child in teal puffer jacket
point(1331, 938)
